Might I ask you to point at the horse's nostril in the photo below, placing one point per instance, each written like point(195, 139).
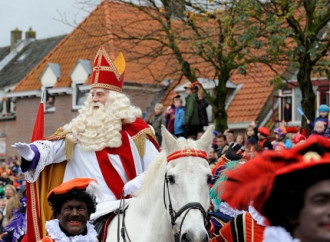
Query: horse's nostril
point(184, 238)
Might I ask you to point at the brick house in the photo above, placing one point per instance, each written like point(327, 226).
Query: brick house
point(64, 74)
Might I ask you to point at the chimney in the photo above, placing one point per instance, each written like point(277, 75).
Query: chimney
point(30, 34)
point(16, 35)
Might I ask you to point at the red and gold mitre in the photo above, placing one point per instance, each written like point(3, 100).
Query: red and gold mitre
point(108, 74)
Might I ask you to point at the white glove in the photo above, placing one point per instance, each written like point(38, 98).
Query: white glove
point(133, 185)
point(24, 150)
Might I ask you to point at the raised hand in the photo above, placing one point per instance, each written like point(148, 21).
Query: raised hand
point(24, 150)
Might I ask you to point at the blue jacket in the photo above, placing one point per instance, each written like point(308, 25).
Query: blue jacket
point(179, 120)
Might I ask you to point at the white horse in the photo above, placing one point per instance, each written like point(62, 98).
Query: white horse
point(172, 203)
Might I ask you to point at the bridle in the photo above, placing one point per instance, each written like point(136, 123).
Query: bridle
point(189, 206)
point(121, 228)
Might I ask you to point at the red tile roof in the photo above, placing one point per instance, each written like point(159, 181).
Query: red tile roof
point(110, 19)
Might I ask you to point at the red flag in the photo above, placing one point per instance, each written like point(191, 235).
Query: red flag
point(33, 223)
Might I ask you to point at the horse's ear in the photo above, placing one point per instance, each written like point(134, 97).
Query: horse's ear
point(205, 141)
point(169, 142)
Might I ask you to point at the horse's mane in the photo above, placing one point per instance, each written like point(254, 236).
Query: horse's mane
point(151, 173)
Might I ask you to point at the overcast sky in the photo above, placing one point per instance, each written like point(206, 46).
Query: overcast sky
point(46, 17)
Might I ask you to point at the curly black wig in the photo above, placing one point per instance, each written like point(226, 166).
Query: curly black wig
point(57, 201)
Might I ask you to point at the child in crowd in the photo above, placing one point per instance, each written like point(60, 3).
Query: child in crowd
point(280, 138)
point(263, 140)
point(240, 140)
point(319, 128)
point(323, 116)
point(179, 117)
point(251, 135)
point(157, 121)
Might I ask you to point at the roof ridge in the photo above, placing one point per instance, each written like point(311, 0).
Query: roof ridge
point(56, 48)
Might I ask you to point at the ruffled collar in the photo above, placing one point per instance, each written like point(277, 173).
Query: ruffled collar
point(276, 233)
point(54, 231)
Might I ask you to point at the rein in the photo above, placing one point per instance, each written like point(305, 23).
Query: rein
point(122, 231)
point(189, 206)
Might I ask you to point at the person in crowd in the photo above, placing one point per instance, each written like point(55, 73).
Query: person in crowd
point(229, 136)
point(10, 191)
point(251, 135)
point(263, 140)
point(280, 138)
point(239, 139)
point(202, 106)
point(157, 120)
point(12, 204)
point(179, 118)
point(323, 116)
point(221, 144)
point(16, 226)
point(290, 189)
point(107, 141)
point(298, 139)
point(212, 157)
point(319, 128)
point(191, 119)
point(214, 139)
point(291, 132)
point(287, 113)
point(72, 203)
point(170, 115)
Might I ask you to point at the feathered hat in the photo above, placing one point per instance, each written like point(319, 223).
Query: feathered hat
point(261, 181)
point(87, 185)
point(108, 74)
point(281, 130)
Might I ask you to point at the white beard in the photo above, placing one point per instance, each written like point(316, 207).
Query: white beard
point(97, 128)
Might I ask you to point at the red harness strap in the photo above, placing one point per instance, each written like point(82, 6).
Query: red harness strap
point(187, 152)
point(110, 174)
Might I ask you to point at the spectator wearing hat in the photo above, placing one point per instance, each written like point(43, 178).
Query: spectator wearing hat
point(323, 116)
point(298, 139)
point(72, 203)
point(280, 138)
point(191, 119)
point(290, 189)
point(263, 140)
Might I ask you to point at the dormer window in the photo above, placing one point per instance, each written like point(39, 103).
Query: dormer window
point(48, 79)
point(79, 75)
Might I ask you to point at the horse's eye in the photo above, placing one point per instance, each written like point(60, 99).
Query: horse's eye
point(171, 179)
point(209, 178)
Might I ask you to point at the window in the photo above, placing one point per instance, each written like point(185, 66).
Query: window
point(49, 100)
point(80, 93)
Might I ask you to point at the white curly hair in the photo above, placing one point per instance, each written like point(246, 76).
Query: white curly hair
point(97, 128)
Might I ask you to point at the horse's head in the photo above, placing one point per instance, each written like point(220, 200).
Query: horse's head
point(186, 185)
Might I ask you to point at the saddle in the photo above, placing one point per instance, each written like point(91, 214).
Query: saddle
point(101, 225)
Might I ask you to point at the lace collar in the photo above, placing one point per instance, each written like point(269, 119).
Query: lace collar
point(276, 233)
point(57, 234)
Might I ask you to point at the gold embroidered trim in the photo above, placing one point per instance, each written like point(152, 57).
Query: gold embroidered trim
point(34, 210)
point(107, 86)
